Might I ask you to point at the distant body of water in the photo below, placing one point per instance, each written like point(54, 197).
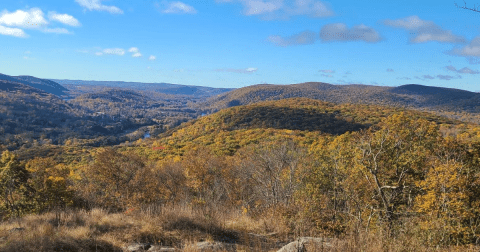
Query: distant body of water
point(147, 135)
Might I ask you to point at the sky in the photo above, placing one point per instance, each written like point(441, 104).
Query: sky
point(237, 43)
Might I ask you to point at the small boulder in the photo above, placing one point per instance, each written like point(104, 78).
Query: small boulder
point(307, 244)
point(213, 247)
point(137, 247)
point(161, 249)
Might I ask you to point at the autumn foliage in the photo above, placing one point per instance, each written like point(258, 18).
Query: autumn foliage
point(396, 174)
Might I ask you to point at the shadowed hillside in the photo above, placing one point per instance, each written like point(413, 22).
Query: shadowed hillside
point(47, 86)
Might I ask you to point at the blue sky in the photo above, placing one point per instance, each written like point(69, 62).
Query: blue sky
point(236, 43)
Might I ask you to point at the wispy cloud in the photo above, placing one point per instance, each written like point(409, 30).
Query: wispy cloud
point(303, 38)
point(428, 77)
point(448, 77)
point(63, 18)
point(281, 9)
point(326, 71)
point(152, 57)
point(340, 32)
point(327, 75)
point(404, 78)
point(439, 76)
point(15, 32)
point(56, 30)
point(111, 51)
point(135, 52)
point(424, 31)
point(233, 70)
point(176, 8)
point(390, 70)
point(464, 70)
point(471, 50)
point(98, 6)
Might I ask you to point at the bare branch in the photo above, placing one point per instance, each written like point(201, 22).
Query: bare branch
point(475, 7)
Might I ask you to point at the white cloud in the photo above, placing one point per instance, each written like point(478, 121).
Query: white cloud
point(63, 18)
point(303, 38)
point(340, 32)
point(13, 23)
point(424, 31)
point(112, 51)
point(152, 57)
point(15, 32)
point(133, 50)
point(98, 6)
point(33, 18)
point(282, 9)
point(471, 50)
point(178, 8)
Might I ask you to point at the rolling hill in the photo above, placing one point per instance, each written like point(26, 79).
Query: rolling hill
point(409, 96)
point(300, 119)
point(47, 86)
point(165, 88)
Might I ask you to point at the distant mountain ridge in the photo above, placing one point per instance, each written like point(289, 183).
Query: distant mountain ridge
point(410, 95)
point(47, 86)
point(166, 88)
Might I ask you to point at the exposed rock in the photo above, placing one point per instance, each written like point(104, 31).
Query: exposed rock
point(161, 249)
point(138, 247)
point(307, 244)
point(213, 246)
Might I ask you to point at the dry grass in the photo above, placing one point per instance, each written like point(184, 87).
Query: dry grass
point(98, 230)
point(102, 231)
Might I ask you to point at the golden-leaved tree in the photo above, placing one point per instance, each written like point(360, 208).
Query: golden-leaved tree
point(391, 159)
point(15, 194)
point(51, 183)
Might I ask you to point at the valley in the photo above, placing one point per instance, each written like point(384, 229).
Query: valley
point(112, 165)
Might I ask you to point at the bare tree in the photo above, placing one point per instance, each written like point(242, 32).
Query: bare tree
point(475, 7)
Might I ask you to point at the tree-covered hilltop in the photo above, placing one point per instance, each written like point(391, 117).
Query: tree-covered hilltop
point(47, 86)
point(232, 128)
point(450, 102)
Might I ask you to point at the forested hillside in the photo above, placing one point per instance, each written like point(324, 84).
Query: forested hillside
point(453, 103)
point(165, 88)
point(41, 84)
point(365, 175)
